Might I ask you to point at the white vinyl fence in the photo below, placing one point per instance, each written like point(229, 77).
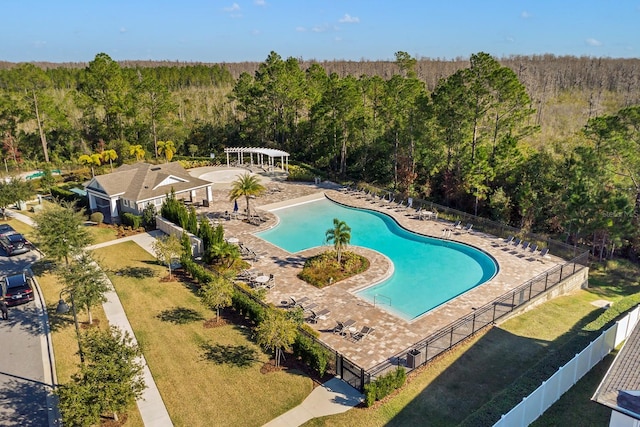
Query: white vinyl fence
point(550, 391)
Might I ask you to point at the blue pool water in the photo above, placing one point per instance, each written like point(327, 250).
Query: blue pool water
point(427, 271)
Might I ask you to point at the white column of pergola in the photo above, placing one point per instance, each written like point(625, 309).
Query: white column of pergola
point(260, 153)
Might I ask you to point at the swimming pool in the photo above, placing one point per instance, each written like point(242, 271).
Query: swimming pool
point(427, 272)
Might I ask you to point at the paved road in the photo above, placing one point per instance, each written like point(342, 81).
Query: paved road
point(25, 378)
point(23, 389)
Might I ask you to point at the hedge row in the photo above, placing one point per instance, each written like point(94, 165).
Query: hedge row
point(384, 385)
point(247, 306)
point(312, 354)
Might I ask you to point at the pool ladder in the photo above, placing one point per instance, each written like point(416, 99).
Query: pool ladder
point(376, 296)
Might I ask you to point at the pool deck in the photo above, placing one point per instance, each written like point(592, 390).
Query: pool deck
point(392, 334)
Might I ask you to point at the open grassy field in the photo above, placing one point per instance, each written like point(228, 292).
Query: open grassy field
point(206, 376)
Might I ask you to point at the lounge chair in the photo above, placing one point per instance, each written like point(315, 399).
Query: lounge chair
point(362, 333)
point(466, 229)
point(457, 225)
point(524, 246)
point(308, 306)
point(542, 254)
point(319, 315)
point(342, 328)
point(507, 241)
point(339, 328)
point(298, 302)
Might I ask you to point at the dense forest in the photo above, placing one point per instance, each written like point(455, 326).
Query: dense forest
point(545, 143)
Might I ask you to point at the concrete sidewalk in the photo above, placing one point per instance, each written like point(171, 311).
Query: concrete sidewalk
point(333, 397)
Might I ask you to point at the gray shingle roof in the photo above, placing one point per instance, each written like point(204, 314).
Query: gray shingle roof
point(620, 388)
point(143, 181)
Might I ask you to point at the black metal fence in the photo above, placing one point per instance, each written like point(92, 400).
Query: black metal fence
point(446, 338)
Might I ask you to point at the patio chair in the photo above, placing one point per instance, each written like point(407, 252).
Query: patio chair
point(298, 302)
point(319, 315)
point(542, 254)
point(308, 306)
point(362, 333)
point(515, 243)
point(466, 229)
point(507, 241)
point(339, 328)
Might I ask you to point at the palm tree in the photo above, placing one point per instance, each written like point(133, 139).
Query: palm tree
point(340, 234)
point(168, 148)
point(137, 151)
point(110, 156)
point(246, 185)
point(91, 160)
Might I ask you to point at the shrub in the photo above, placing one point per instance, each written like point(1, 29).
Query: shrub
point(246, 306)
point(384, 385)
point(97, 217)
point(149, 217)
point(311, 353)
point(69, 196)
point(297, 173)
point(131, 220)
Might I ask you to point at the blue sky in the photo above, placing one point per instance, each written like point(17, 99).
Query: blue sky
point(247, 30)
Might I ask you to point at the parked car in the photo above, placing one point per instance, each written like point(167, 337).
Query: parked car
point(6, 229)
point(17, 289)
point(14, 244)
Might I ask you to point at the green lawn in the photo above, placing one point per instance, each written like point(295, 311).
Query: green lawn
point(206, 376)
point(63, 333)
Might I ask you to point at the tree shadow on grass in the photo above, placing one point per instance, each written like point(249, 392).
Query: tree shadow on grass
point(180, 315)
point(235, 355)
point(136, 272)
point(57, 321)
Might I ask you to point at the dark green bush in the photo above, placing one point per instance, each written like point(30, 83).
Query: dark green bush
point(149, 217)
point(311, 353)
point(384, 385)
point(69, 196)
point(133, 221)
point(246, 306)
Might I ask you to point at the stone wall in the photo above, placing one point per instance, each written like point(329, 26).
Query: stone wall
point(170, 228)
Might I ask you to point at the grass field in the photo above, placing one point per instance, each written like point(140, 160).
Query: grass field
point(206, 376)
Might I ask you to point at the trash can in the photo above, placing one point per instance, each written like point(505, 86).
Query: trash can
point(205, 203)
point(415, 358)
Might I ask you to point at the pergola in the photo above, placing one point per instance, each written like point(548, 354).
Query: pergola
point(261, 153)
